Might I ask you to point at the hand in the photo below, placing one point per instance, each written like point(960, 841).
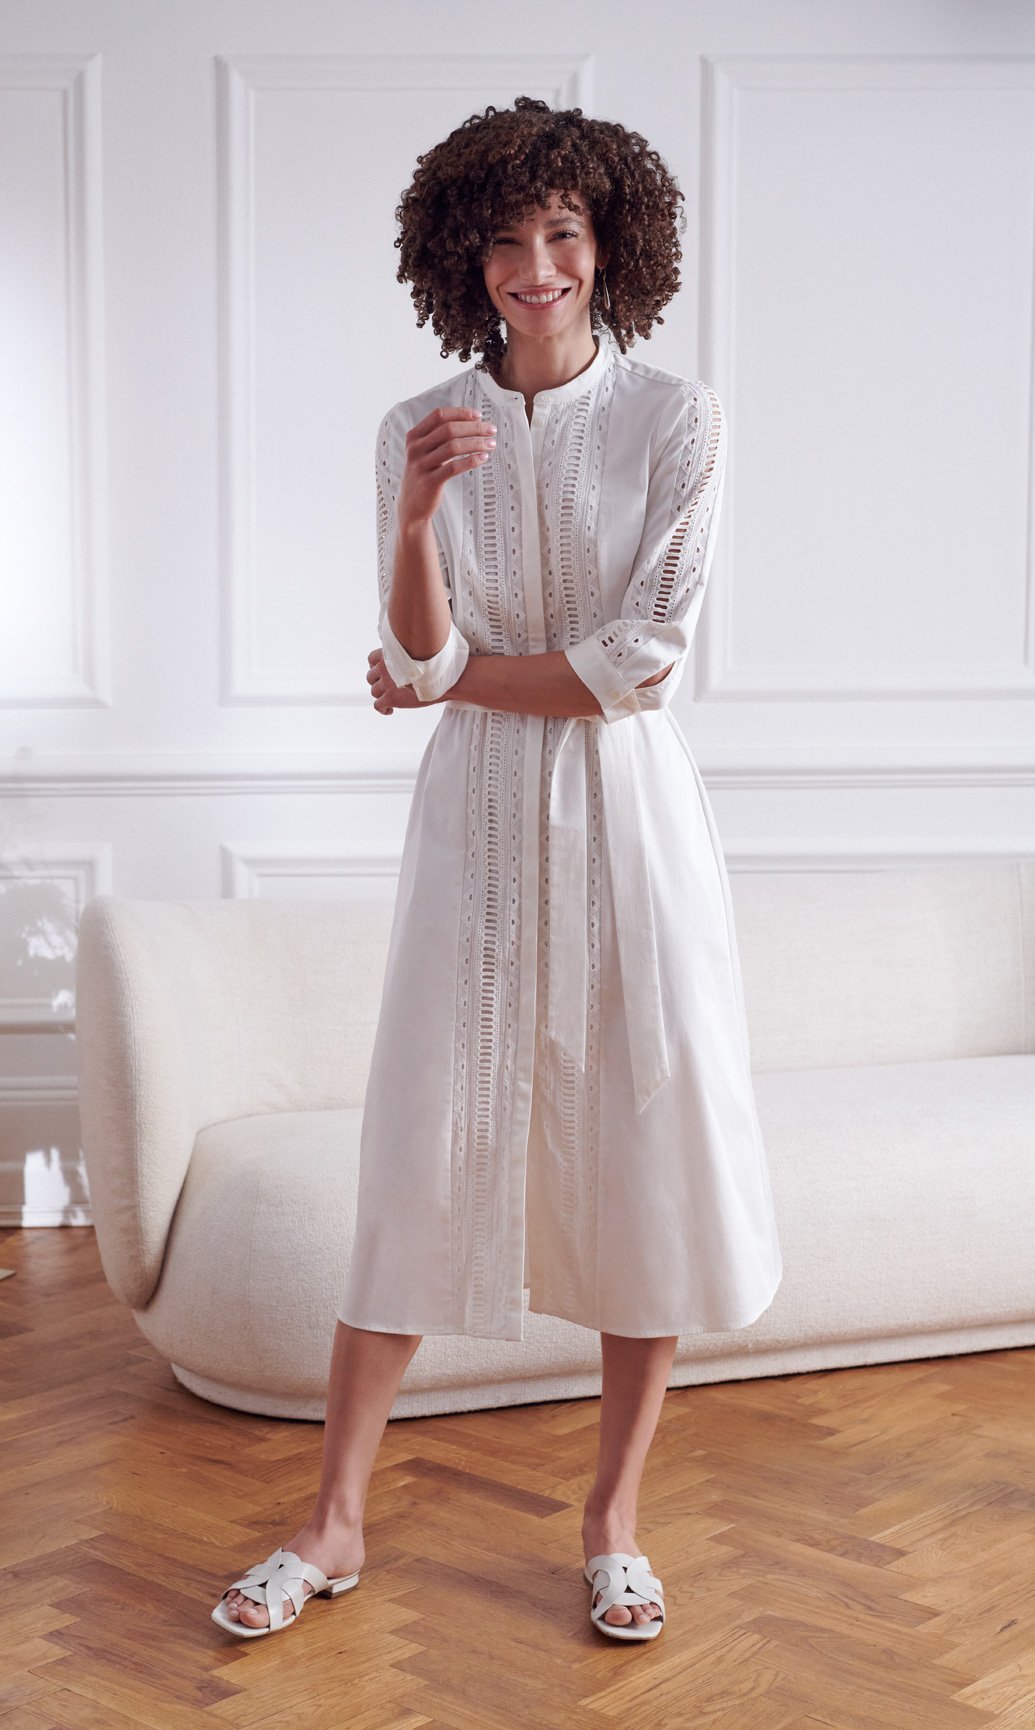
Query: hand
point(448, 441)
point(386, 693)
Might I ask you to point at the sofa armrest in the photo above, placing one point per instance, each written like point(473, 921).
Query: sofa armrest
point(137, 1120)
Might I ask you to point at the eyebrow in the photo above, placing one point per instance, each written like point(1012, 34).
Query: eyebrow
point(566, 216)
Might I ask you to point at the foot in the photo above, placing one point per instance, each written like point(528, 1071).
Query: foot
point(336, 1550)
point(601, 1536)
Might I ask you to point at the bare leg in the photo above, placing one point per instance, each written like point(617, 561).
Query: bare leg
point(635, 1377)
point(366, 1369)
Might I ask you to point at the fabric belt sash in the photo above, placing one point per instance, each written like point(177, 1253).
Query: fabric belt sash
point(634, 914)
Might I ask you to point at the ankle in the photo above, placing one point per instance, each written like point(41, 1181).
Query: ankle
point(336, 1518)
point(617, 1518)
point(601, 1505)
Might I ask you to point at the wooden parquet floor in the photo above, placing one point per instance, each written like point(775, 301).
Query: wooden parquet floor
point(846, 1550)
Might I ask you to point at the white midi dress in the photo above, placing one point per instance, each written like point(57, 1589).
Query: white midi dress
point(560, 1095)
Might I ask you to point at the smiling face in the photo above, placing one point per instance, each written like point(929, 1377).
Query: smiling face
point(540, 273)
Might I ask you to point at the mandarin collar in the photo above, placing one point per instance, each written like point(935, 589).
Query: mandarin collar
point(583, 382)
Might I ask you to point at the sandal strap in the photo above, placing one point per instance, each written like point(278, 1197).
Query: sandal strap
point(627, 1580)
point(284, 1572)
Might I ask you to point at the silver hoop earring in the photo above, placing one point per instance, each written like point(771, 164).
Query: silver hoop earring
point(603, 284)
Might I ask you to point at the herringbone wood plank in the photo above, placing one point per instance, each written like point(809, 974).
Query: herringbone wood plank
point(844, 1550)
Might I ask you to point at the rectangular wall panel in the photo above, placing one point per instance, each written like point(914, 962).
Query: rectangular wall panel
point(871, 279)
point(53, 616)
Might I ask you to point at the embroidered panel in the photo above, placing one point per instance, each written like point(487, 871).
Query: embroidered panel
point(665, 589)
point(488, 971)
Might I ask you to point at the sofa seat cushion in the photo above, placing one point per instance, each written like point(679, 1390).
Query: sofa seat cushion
point(904, 1193)
point(904, 1196)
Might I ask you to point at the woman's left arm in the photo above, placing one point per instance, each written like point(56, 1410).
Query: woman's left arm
point(526, 684)
point(545, 684)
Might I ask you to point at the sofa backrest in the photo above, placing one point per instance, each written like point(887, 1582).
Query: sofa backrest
point(274, 1004)
point(896, 964)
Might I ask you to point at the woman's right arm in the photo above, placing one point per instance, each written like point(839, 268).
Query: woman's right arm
point(418, 605)
point(421, 644)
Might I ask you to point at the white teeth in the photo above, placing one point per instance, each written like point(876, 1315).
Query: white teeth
point(540, 299)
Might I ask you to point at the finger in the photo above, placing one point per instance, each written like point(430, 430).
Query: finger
point(452, 456)
point(450, 415)
point(448, 446)
point(458, 411)
point(463, 435)
point(444, 412)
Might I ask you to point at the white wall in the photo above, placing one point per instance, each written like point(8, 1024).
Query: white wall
point(200, 328)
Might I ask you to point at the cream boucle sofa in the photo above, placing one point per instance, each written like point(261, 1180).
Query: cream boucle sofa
point(223, 1048)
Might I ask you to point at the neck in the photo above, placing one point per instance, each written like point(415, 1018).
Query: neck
point(531, 364)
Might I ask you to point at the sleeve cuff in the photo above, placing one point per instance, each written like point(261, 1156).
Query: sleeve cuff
point(430, 678)
point(595, 670)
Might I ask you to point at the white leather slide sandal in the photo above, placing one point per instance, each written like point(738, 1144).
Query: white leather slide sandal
point(281, 1577)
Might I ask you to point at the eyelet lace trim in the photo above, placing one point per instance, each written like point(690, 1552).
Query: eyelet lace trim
point(489, 607)
point(492, 618)
point(666, 588)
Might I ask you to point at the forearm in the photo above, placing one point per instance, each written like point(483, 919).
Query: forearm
point(545, 684)
point(418, 606)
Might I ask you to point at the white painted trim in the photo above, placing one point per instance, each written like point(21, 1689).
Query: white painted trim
point(78, 80)
point(162, 774)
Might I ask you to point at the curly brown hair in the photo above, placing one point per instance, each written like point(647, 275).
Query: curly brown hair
point(490, 172)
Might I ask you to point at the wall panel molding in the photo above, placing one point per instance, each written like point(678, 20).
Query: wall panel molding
point(43, 927)
point(248, 871)
point(75, 120)
point(216, 774)
point(728, 80)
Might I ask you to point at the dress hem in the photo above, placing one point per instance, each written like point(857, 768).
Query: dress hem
point(591, 1327)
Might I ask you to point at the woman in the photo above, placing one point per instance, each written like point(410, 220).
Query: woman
point(560, 1098)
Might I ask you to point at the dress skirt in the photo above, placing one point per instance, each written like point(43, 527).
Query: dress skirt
point(495, 1165)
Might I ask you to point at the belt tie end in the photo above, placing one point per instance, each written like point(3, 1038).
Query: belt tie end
point(634, 914)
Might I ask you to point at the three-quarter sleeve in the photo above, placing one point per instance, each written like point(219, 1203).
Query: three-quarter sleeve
point(435, 674)
point(662, 602)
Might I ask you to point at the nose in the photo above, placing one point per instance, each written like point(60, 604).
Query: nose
point(536, 258)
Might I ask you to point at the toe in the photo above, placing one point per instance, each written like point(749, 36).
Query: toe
point(254, 1614)
point(618, 1615)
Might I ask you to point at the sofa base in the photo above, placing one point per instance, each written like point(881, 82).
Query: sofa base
point(799, 1359)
